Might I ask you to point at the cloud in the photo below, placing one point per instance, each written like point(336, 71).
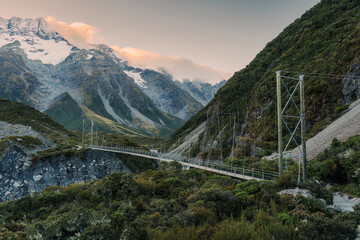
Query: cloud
point(77, 33)
point(180, 68)
point(83, 35)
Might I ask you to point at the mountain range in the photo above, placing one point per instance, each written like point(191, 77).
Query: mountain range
point(40, 68)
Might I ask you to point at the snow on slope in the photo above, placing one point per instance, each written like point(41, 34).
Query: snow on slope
point(136, 114)
point(137, 78)
point(37, 44)
point(47, 51)
point(109, 109)
point(346, 126)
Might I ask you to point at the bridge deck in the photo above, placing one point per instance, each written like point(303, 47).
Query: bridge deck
point(223, 169)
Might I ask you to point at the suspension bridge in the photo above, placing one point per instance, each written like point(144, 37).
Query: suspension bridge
point(243, 172)
point(208, 165)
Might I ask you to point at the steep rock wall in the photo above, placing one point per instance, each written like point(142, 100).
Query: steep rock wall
point(18, 177)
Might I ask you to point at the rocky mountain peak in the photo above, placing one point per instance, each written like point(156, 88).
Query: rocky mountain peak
point(95, 78)
point(37, 39)
point(26, 27)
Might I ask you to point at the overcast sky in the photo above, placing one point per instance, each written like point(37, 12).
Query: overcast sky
point(223, 34)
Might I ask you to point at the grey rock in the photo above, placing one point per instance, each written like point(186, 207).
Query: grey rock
point(296, 192)
point(336, 208)
point(20, 182)
point(343, 128)
point(351, 88)
point(344, 203)
point(37, 178)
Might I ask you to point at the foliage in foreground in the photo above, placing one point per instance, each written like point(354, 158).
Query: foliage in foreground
point(339, 165)
point(170, 203)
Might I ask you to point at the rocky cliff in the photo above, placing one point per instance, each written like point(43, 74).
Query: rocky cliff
point(36, 152)
point(20, 177)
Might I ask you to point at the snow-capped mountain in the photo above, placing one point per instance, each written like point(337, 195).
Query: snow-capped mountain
point(37, 65)
point(164, 93)
point(201, 91)
point(35, 39)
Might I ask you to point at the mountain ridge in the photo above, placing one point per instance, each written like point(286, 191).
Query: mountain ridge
point(94, 78)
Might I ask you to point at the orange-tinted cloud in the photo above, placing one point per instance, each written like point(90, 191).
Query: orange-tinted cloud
point(83, 35)
point(179, 68)
point(77, 33)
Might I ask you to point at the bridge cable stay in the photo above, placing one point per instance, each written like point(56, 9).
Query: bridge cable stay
point(223, 112)
point(233, 115)
point(95, 136)
point(220, 133)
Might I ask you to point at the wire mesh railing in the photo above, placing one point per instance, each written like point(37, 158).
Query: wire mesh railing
point(213, 166)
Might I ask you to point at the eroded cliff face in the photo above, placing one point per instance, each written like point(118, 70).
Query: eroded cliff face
point(351, 83)
point(19, 177)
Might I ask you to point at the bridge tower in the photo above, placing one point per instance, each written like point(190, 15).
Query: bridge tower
point(282, 121)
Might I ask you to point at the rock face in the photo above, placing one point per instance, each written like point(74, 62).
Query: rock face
point(18, 177)
point(344, 203)
point(201, 91)
point(37, 40)
point(17, 82)
point(7, 129)
point(165, 93)
point(351, 84)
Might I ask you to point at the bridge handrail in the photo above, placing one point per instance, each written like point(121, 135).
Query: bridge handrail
point(196, 161)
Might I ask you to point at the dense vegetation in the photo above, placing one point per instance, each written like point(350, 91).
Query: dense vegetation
point(66, 111)
point(18, 113)
point(170, 203)
point(340, 166)
point(324, 40)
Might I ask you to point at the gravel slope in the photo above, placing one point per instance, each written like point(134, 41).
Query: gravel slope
point(189, 139)
point(346, 126)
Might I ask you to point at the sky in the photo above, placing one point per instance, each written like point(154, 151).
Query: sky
point(190, 38)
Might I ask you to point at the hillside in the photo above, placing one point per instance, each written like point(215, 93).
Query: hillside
point(36, 152)
point(324, 40)
point(342, 129)
point(170, 203)
point(66, 111)
point(134, 198)
point(18, 113)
